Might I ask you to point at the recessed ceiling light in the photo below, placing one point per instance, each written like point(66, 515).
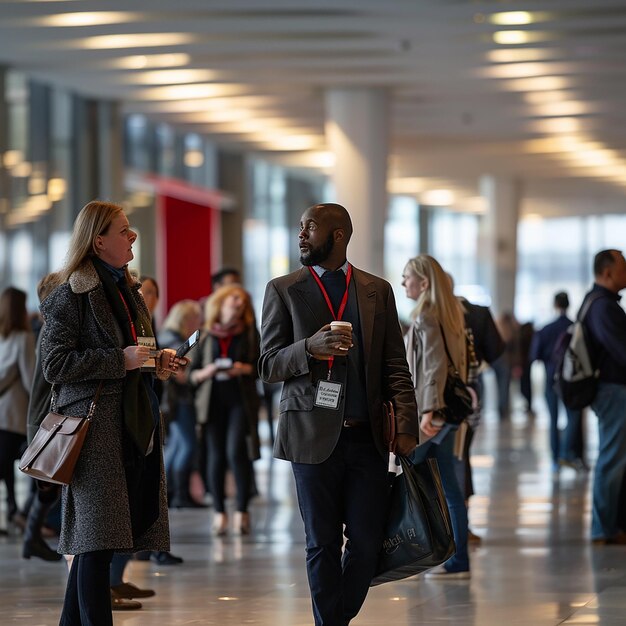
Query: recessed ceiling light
point(143, 61)
point(511, 18)
point(133, 40)
point(87, 18)
point(437, 197)
point(171, 77)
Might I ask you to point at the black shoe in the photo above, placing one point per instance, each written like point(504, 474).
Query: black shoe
point(165, 558)
point(144, 555)
point(130, 591)
point(123, 604)
point(40, 549)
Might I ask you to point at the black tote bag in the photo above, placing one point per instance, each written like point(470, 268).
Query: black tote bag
point(418, 534)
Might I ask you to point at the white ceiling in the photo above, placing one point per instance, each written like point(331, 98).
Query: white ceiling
point(549, 112)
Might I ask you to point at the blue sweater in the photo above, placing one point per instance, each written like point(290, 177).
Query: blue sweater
point(606, 323)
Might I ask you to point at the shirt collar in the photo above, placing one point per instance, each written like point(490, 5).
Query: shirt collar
point(320, 271)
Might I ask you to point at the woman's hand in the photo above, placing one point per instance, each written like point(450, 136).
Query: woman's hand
point(206, 372)
point(135, 356)
point(240, 369)
point(170, 362)
point(427, 426)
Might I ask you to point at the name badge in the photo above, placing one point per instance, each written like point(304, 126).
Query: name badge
point(328, 394)
point(149, 342)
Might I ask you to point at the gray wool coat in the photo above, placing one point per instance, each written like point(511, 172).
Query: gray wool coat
point(81, 344)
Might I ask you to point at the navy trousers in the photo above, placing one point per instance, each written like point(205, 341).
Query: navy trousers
point(88, 592)
point(351, 488)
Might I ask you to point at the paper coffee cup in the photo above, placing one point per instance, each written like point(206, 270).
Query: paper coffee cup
point(338, 325)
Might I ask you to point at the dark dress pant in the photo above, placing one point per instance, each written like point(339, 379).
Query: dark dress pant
point(351, 488)
point(88, 593)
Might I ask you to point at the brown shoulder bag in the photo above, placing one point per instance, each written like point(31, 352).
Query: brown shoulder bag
point(52, 454)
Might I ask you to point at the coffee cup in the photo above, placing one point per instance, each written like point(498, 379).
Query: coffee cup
point(339, 325)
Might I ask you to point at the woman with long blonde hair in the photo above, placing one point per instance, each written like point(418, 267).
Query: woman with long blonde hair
point(438, 324)
point(224, 370)
point(94, 344)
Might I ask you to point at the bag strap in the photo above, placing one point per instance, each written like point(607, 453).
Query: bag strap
point(584, 309)
point(445, 345)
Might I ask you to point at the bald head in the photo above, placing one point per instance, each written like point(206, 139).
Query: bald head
point(335, 216)
point(325, 230)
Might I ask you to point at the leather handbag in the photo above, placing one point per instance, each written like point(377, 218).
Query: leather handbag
point(456, 394)
point(418, 533)
point(389, 425)
point(52, 454)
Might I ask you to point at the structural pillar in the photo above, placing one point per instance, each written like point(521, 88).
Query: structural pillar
point(357, 122)
point(498, 240)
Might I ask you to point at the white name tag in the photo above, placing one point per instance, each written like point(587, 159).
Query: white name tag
point(328, 394)
point(150, 342)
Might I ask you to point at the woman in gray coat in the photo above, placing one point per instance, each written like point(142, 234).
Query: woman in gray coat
point(97, 330)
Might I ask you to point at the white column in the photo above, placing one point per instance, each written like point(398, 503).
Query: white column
point(498, 246)
point(357, 133)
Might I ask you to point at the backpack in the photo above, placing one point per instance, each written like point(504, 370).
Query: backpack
point(576, 378)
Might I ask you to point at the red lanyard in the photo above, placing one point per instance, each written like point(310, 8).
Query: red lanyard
point(342, 306)
point(224, 345)
point(130, 319)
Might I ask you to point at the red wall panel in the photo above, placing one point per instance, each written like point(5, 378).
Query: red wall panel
point(184, 235)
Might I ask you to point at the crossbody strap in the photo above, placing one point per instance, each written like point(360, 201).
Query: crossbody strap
point(445, 345)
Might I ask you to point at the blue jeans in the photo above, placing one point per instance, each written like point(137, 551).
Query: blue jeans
point(443, 452)
point(351, 488)
point(181, 442)
point(570, 448)
point(610, 407)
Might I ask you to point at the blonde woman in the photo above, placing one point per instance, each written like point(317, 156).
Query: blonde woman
point(96, 330)
point(223, 367)
point(178, 405)
point(438, 322)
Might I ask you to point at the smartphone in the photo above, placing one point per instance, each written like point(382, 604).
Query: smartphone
point(190, 343)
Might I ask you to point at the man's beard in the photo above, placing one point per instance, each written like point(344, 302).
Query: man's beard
point(316, 256)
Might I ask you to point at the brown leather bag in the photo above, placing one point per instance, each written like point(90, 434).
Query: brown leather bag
point(389, 424)
point(52, 454)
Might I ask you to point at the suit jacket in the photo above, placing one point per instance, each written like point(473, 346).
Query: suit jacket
point(293, 310)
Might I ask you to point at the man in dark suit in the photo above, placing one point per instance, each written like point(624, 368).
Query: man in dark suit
point(331, 426)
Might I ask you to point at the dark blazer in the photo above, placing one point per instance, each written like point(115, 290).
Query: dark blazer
point(488, 343)
point(293, 310)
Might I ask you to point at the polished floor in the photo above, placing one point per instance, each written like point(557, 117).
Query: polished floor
point(534, 567)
